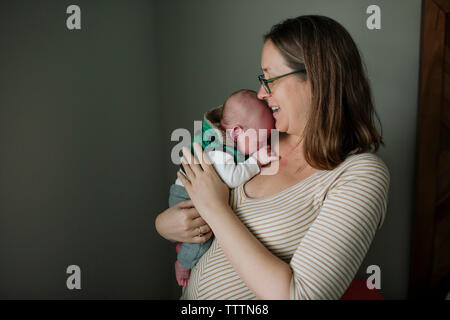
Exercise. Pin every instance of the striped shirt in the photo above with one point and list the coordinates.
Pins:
(322, 227)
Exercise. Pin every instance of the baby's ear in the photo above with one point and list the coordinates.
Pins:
(235, 132)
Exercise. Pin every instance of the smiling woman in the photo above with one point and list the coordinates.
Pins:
(334, 84)
(303, 232)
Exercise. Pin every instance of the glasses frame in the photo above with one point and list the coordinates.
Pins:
(265, 82)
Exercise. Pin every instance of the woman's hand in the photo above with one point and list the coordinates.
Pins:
(182, 223)
(204, 186)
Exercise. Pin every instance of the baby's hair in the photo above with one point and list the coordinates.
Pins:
(228, 116)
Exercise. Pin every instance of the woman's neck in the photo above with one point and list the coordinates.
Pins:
(292, 153)
(291, 143)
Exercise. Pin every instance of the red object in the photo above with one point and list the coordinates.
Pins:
(177, 248)
(358, 291)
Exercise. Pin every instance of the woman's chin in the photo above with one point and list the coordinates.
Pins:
(280, 127)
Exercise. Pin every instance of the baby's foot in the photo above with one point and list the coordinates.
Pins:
(182, 274)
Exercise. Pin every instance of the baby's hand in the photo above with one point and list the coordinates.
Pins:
(264, 156)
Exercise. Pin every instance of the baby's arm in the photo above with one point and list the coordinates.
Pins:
(233, 174)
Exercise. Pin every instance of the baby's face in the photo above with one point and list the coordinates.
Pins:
(257, 133)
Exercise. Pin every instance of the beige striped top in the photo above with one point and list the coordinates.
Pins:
(322, 226)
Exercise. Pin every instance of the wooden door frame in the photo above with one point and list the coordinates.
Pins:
(433, 36)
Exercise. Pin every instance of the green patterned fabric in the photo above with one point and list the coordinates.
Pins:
(213, 136)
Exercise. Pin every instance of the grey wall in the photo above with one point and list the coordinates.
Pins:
(79, 134)
(86, 118)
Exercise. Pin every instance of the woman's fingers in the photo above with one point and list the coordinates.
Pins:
(197, 232)
(198, 226)
(186, 204)
(198, 222)
(195, 227)
(203, 229)
(203, 157)
(187, 155)
(191, 213)
(191, 161)
(202, 238)
(191, 165)
(194, 223)
(186, 183)
(187, 168)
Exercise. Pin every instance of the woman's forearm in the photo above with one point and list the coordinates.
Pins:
(161, 227)
(264, 273)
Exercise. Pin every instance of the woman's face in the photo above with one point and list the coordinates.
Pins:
(290, 94)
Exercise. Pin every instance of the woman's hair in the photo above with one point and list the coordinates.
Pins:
(341, 117)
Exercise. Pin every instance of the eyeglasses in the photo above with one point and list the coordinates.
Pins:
(265, 82)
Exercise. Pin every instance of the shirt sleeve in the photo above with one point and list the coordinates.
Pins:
(233, 174)
(335, 245)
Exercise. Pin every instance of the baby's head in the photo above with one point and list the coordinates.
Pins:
(247, 120)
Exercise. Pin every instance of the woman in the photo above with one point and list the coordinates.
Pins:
(303, 232)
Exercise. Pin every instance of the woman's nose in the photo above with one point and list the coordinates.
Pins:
(262, 93)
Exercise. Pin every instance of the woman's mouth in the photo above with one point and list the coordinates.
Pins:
(275, 110)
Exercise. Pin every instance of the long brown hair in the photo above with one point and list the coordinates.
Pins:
(341, 118)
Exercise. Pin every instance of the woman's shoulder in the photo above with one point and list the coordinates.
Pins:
(361, 176)
(366, 161)
(363, 168)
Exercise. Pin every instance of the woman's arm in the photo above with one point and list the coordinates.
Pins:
(265, 274)
(336, 243)
(181, 223)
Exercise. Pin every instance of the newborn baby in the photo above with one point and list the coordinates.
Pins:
(237, 150)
